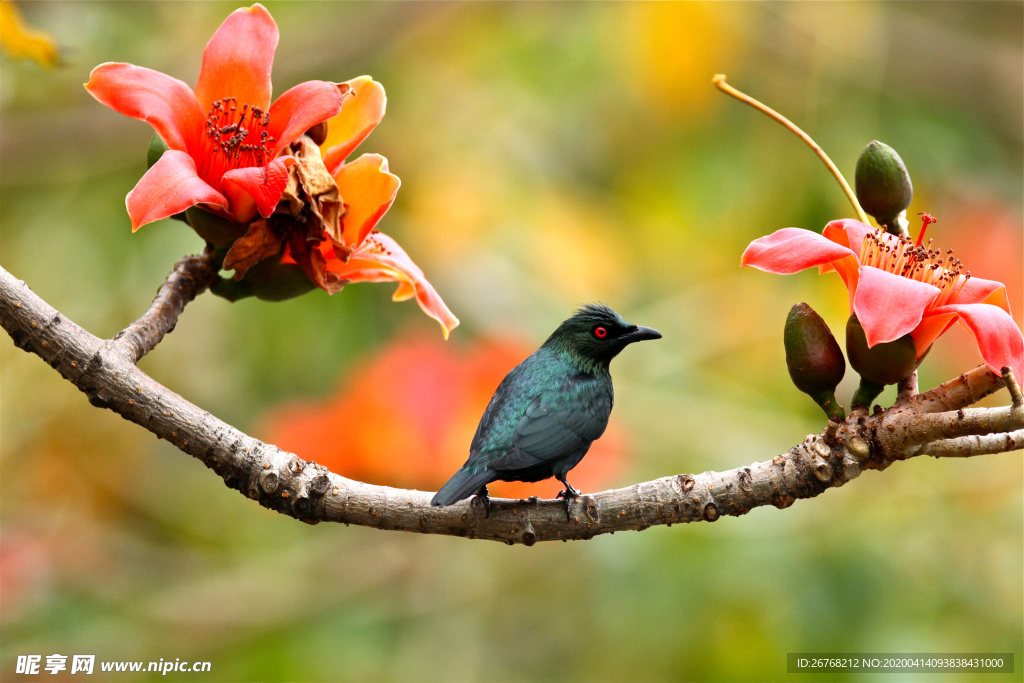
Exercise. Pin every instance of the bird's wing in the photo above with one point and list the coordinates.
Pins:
(557, 424)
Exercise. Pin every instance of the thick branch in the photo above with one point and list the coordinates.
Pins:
(309, 492)
(189, 278)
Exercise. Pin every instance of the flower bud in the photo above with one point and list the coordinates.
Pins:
(214, 229)
(318, 133)
(271, 280)
(883, 184)
(882, 364)
(815, 360)
(157, 147)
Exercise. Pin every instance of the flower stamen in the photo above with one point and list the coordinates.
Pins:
(236, 138)
(900, 256)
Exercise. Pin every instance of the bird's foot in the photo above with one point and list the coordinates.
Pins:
(484, 498)
(570, 494)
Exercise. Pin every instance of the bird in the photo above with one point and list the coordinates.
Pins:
(549, 409)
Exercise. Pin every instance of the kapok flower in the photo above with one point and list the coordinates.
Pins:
(326, 221)
(899, 287)
(225, 138)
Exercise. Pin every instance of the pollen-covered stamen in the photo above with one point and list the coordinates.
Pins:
(900, 256)
(236, 137)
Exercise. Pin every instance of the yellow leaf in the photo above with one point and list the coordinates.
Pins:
(24, 42)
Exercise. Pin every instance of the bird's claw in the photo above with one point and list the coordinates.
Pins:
(570, 494)
(484, 497)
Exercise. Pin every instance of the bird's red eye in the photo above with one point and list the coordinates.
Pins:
(600, 332)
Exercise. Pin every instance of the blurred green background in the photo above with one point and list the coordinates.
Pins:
(551, 154)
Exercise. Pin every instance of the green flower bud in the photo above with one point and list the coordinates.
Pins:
(882, 364)
(215, 229)
(157, 147)
(883, 184)
(271, 280)
(815, 361)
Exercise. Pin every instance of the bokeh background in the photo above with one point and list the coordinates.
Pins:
(551, 154)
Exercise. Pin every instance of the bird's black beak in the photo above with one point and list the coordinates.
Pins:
(640, 334)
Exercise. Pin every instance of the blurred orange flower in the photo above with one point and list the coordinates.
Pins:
(406, 417)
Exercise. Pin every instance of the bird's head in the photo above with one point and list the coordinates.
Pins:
(594, 335)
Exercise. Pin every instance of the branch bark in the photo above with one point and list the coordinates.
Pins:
(105, 371)
(189, 278)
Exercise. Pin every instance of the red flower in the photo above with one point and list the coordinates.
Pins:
(897, 287)
(225, 137)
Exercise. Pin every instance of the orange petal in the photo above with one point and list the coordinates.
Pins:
(380, 259)
(368, 189)
(361, 111)
(163, 102)
(238, 59)
(169, 187)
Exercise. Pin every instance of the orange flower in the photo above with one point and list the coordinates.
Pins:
(407, 416)
(327, 220)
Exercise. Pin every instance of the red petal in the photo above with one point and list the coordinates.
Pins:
(163, 102)
(368, 189)
(301, 108)
(169, 187)
(238, 58)
(999, 339)
(380, 259)
(889, 306)
(360, 113)
(265, 184)
(790, 250)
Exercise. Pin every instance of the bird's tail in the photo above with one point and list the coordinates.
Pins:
(463, 484)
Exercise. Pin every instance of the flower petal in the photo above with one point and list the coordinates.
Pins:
(265, 184)
(163, 102)
(850, 234)
(169, 187)
(368, 189)
(999, 339)
(360, 113)
(977, 291)
(380, 259)
(301, 108)
(889, 306)
(790, 250)
(238, 59)
(931, 327)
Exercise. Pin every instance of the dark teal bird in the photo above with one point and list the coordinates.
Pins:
(548, 409)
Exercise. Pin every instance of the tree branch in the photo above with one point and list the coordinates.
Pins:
(965, 390)
(969, 446)
(189, 278)
(105, 371)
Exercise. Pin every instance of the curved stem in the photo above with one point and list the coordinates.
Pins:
(719, 81)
